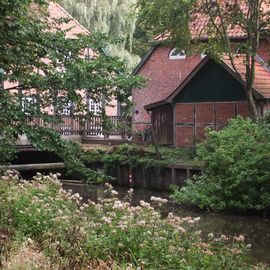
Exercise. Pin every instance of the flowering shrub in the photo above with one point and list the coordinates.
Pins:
(79, 235)
(236, 169)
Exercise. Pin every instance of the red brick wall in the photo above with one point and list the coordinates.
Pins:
(164, 76)
(266, 108)
(184, 113)
(224, 112)
(191, 119)
(184, 136)
(204, 113)
(242, 109)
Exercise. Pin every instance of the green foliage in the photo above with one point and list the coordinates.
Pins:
(178, 155)
(142, 38)
(116, 18)
(129, 155)
(37, 55)
(175, 19)
(266, 121)
(134, 155)
(236, 169)
(73, 235)
(171, 16)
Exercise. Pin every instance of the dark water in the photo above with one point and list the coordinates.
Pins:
(256, 229)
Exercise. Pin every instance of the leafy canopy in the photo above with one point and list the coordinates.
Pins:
(35, 54)
(236, 169)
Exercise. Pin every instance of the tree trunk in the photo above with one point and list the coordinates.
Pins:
(250, 75)
(251, 105)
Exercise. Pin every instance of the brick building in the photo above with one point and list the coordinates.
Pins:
(185, 94)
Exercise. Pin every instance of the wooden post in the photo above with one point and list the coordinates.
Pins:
(119, 175)
(71, 125)
(158, 177)
(173, 172)
(188, 173)
(145, 180)
(154, 138)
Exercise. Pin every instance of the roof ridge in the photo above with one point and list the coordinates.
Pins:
(69, 15)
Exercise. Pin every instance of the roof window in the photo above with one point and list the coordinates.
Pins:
(176, 54)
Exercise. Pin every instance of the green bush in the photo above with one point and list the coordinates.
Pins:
(76, 235)
(236, 172)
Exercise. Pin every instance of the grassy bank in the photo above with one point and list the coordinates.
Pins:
(43, 220)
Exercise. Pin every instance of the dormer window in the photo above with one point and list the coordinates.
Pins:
(176, 54)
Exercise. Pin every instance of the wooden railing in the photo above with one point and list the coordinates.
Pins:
(90, 126)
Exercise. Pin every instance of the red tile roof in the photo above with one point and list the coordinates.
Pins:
(262, 74)
(56, 12)
(73, 26)
(199, 21)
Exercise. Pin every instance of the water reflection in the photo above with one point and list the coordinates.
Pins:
(256, 229)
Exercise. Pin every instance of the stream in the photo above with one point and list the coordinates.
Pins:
(256, 229)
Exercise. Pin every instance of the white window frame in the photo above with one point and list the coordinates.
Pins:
(65, 109)
(28, 101)
(94, 107)
(180, 55)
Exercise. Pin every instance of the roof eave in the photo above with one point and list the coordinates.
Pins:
(73, 19)
(188, 79)
(151, 106)
(144, 59)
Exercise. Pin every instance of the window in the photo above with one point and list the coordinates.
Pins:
(28, 103)
(94, 107)
(64, 106)
(176, 54)
(66, 110)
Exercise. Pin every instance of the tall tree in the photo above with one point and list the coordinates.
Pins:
(35, 54)
(209, 25)
(115, 18)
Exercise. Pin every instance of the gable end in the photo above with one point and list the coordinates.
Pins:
(212, 83)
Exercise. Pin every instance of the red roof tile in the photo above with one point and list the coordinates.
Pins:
(262, 74)
(73, 26)
(199, 21)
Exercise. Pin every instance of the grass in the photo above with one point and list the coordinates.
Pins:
(27, 257)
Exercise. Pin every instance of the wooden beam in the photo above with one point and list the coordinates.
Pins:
(34, 167)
